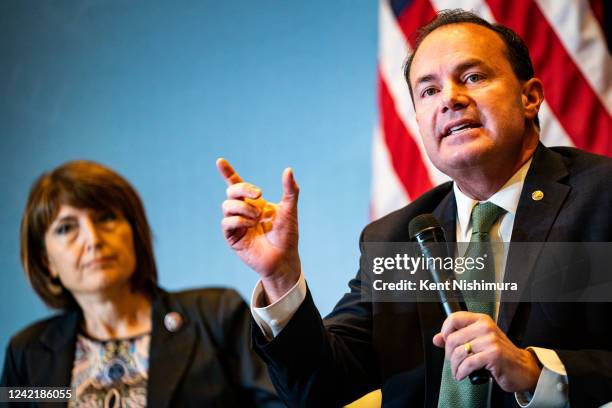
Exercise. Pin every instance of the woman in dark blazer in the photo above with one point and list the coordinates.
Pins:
(121, 340)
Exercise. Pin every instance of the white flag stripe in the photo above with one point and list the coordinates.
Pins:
(582, 37)
(387, 189)
(551, 131)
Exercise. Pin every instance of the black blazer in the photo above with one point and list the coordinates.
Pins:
(362, 346)
(206, 363)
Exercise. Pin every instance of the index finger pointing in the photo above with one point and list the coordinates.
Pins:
(228, 173)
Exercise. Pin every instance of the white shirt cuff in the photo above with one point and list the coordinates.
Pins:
(273, 318)
(552, 388)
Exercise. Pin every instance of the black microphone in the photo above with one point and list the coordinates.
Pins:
(426, 231)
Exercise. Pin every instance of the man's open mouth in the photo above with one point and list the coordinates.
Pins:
(450, 130)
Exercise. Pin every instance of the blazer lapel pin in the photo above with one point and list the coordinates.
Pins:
(173, 322)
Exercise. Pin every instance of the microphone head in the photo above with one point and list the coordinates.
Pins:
(421, 223)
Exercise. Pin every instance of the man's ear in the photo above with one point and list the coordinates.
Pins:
(533, 96)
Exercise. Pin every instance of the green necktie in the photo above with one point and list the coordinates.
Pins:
(464, 394)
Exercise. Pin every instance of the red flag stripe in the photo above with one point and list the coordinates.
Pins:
(569, 95)
(405, 155)
(414, 16)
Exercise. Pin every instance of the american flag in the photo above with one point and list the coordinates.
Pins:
(568, 47)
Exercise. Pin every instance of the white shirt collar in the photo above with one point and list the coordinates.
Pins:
(506, 197)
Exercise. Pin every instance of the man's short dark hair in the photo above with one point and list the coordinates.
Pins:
(516, 49)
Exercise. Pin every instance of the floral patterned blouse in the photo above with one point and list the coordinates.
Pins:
(110, 373)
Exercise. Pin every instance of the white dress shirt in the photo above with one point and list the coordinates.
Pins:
(551, 390)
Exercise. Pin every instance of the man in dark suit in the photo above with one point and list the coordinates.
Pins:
(476, 101)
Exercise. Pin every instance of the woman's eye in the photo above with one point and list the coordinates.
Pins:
(64, 229)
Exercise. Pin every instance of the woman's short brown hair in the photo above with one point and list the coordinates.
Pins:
(81, 184)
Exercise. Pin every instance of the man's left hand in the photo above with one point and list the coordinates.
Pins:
(514, 369)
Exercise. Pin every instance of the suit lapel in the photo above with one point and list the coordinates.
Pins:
(54, 360)
(533, 222)
(446, 214)
(170, 351)
(430, 313)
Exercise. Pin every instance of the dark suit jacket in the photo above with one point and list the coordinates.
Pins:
(361, 346)
(206, 363)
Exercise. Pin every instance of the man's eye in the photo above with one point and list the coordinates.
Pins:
(473, 78)
(428, 92)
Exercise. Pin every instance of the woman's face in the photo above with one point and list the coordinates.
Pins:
(92, 252)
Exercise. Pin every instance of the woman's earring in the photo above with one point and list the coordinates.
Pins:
(55, 285)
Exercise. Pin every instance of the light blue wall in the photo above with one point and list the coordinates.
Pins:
(158, 90)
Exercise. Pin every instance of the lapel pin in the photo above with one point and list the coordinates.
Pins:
(173, 321)
(537, 195)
